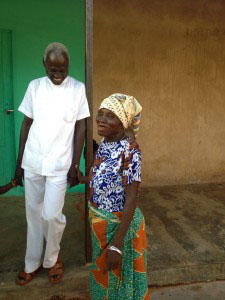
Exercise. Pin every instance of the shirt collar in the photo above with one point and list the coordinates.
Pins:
(57, 86)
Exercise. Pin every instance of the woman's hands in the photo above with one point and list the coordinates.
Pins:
(113, 260)
(80, 176)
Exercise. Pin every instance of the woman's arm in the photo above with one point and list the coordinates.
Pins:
(81, 177)
(5, 188)
(114, 259)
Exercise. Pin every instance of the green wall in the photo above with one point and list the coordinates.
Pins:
(34, 24)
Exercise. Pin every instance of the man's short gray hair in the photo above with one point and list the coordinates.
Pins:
(57, 49)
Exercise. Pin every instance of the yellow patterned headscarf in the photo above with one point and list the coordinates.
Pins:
(126, 108)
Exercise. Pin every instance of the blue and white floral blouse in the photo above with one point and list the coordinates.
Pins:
(116, 164)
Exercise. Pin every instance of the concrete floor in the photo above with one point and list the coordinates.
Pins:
(197, 291)
(186, 233)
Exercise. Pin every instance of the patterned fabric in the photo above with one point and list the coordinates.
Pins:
(116, 165)
(135, 125)
(126, 108)
(129, 282)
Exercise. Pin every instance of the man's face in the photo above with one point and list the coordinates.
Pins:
(56, 67)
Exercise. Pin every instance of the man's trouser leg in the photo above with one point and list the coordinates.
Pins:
(44, 203)
(53, 220)
(34, 195)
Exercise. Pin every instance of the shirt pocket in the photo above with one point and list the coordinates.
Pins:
(70, 115)
(39, 109)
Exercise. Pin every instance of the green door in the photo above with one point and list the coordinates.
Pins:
(7, 134)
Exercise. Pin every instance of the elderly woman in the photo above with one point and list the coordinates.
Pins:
(118, 269)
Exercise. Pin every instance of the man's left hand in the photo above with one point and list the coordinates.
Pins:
(72, 177)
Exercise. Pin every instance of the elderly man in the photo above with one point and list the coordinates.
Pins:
(51, 142)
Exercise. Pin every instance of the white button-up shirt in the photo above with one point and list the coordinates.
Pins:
(54, 110)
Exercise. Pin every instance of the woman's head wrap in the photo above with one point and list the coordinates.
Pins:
(126, 108)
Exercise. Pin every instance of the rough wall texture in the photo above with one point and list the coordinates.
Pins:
(170, 55)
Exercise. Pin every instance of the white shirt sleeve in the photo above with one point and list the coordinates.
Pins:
(83, 110)
(26, 107)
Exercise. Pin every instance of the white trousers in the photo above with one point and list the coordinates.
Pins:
(44, 197)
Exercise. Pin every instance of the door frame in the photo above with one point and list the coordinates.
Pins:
(89, 121)
(7, 108)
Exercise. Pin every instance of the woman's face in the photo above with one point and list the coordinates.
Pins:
(109, 125)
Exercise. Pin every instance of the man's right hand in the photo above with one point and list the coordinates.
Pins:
(27, 122)
(19, 174)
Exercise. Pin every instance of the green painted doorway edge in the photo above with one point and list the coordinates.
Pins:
(7, 128)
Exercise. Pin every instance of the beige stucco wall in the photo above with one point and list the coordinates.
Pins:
(170, 55)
